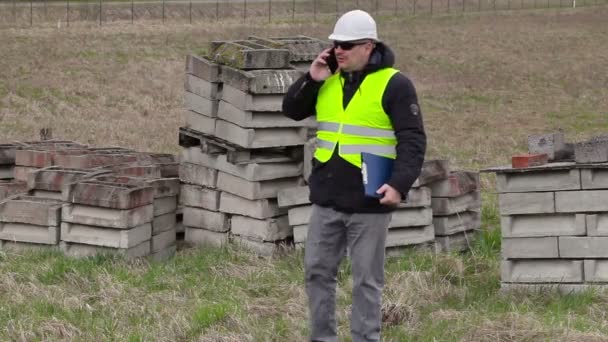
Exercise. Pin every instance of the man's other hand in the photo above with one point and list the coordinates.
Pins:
(391, 195)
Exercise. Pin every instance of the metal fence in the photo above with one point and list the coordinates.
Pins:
(23, 13)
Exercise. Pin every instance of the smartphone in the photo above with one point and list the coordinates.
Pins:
(332, 62)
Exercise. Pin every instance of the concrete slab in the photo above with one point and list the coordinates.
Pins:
(11, 188)
(295, 196)
(35, 157)
(31, 210)
(107, 217)
(594, 178)
(7, 153)
(242, 55)
(543, 225)
(453, 205)
(557, 180)
(261, 248)
(198, 175)
(581, 201)
(163, 187)
(456, 243)
(103, 236)
(21, 173)
(94, 159)
(45, 194)
(79, 250)
(23, 232)
(583, 247)
(593, 151)
(457, 184)
(205, 219)
(16, 246)
(432, 170)
(200, 197)
(451, 224)
(108, 195)
(530, 248)
(260, 137)
(163, 223)
(265, 81)
(257, 119)
(596, 270)
(300, 233)
(165, 205)
(260, 209)
(254, 190)
(563, 289)
(164, 254)
(252, 102)
(202, 88)
(162, 241)
(301, 48)
(6, 171)
(417, 197)
(198, 104)
(410, 236)
(552, 144)
(203, 68)
(250, 171)
(54, 178)
(542, 271)
(526, 203)
(411, 217)
(299, 215)
(198, 122)
(204, 237)
(273, 229)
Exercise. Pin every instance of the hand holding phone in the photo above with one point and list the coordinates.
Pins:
(324, 65)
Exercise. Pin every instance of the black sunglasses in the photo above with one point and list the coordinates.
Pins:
(347, 45)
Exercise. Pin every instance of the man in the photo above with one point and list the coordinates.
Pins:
(366, 106)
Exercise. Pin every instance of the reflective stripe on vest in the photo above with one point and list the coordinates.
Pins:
(362, 126)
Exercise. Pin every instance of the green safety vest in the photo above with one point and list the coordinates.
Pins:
(362, 127)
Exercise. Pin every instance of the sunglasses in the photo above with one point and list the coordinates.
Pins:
(347, 45)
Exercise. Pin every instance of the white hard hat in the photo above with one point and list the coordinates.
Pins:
(355, 25)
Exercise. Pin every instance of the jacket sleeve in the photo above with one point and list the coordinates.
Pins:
(301, 98)
(401, 104)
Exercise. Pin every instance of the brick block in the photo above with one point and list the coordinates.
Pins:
(205, 219)
(530, 248)
(546, 180)
(103, 236)
(165, 205)
(203, 68)
(529, 160)
(299, 215)
(457, 184)
(291, 197)
(163, 254)
(300, 233)
(301, 48)
(260, 137)
(581, 201)
(163, 187)
(252, 102)
(259, 119)
(273, 229)
(162, 241)
(10, 188)
(199, 122)
(552, 144)
(254, 190)
(249, 171)
(432, 171)
(108, 195)
(260, 209)
(594, 178)
(16, 246)
(198, 104)
(543, 225)
(204, 237)
(56, 195)
(261, 248)
(201, 87)
(458, 242)
(6, 172)
(93, 160)
(542, 271)
(141, 171)
(24, 232)
(268, 81)
(198, 175)
(451, 224)
(54, 178)
(593, 151)
(21, 173)
(411, 217)
(410, 236)
(79, 250)
(243, 55)
(200, 197)
(33, 157)
(583, 247)
(7, 154)
(31, 210)
(526, 203)
(453, 205)
(163, 223)
(417, 197)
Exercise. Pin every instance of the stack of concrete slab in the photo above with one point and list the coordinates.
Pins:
(40, 154)
(48, 182)
(456, 206)
(554, 221)
(107, 217)
(7, 161)
(27, 221)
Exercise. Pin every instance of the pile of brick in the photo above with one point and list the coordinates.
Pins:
(239, 149)
(554, 218)
(91, 200)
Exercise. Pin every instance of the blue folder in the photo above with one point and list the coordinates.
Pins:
(376, 171)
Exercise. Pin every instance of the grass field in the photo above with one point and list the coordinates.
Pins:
(485, 82)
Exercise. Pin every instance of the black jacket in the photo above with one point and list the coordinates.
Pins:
(337, 183)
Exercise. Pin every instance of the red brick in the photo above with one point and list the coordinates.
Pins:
(528, 160)
(108, 195)
(10, 188)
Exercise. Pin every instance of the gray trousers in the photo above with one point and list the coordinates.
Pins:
(330, 232)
